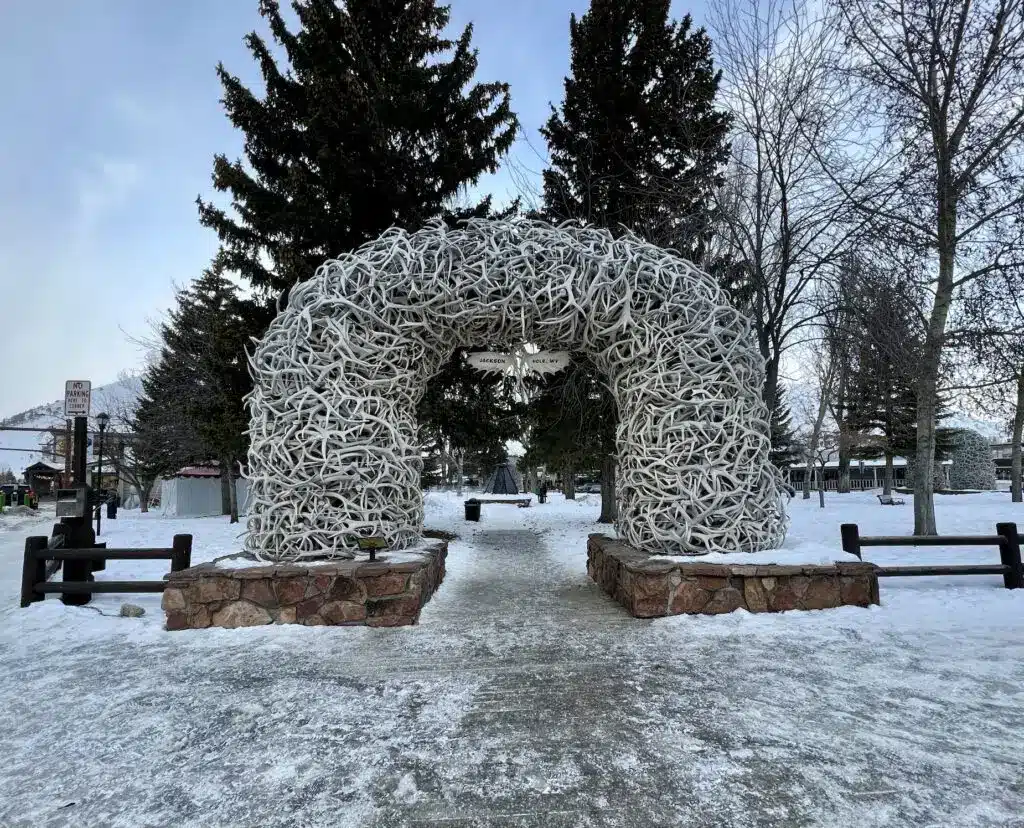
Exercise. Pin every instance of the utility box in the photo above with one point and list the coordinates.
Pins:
(72, 503)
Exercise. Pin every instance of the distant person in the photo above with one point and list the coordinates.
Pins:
(542, 492)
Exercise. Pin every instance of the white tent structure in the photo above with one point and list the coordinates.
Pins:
(195, 492)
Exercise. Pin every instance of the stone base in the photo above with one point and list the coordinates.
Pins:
(343, 593)
(650, 588)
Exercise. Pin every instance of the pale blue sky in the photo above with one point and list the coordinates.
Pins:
(109, 121)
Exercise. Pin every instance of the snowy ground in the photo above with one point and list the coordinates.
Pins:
(525, 697)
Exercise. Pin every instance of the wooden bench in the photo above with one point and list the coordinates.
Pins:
(522, 503)
(889, 500)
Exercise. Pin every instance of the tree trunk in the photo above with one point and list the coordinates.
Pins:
(843, 483)
(233, 491)
(458, 469)
(609, 509)
(225, 488)
(1015, 453)
(931, 360)
(887, 476)
(821, 487)
(144, 493)
(771, 383)
(569, 482)
(807, 476)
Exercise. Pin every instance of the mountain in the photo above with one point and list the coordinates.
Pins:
(20, 449)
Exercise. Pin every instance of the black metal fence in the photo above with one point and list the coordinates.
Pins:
(1005, 538)
(78, 585)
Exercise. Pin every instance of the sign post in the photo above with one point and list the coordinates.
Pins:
(75, 525)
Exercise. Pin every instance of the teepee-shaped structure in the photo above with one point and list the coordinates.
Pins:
(502, 480)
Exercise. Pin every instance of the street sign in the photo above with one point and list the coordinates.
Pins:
(487, 361)
(76, 398)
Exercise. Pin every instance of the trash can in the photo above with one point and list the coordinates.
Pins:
(473, 509)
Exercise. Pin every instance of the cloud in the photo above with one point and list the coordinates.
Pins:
(105, 186)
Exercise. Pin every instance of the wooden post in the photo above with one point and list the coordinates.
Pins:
(33, 570)
(181, 552)
(1009, 554)
(851, 539)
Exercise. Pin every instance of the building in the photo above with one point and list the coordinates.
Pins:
(195, 491)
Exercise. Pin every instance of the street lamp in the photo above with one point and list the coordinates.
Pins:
(102, 420)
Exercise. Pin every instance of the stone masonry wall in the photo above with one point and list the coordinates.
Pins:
(345, 593)
(650, 588)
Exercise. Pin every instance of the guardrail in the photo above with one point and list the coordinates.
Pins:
(1006, 539)
(78, 585)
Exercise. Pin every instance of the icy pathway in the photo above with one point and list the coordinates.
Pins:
(524, 698)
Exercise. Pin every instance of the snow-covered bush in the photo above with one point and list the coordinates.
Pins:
(973, 466)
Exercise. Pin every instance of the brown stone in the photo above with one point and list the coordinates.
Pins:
(199, 618)
(822, 593)
(346, 589)
(290, 590)
(240, 614)
(176, 621)
(725, 600)
(259, 592)
(173, 600)
(318, 585)
(649, 594)
(799, 584)
(307, 608)
(710, 570)
(251, 573)
(783, 570)
(209, 590)
(404, 566)
(855, 591)
(393, 584)
(768, 584)
(755, 595)
(408, 607)
(689, 598)
(313, 620)
(782, 598)
(711, 584)
(391, 621)
(338, 612)
(286, 615)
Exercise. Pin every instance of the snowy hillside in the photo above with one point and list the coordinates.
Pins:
(19, 449)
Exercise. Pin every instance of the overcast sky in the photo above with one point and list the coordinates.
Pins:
(110, 118)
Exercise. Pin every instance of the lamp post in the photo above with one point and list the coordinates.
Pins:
(101, 420)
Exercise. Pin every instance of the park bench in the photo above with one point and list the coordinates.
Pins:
(522, 503)
(889, 500)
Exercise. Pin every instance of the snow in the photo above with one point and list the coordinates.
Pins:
(525, 696)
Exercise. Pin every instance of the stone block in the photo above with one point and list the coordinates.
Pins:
(198, 617)
(724, 600)
(755, 595)
(688, 598)
(338, 612)
(822, 592)
(402, 607)
(799, 584)
(173, 600)
(318, 584)
(346, 589)
(176, 620)
(290, 590)
(711, 583)
(210, 590)
(240, 614)
(392, 584)
(782, 598)
(260, 592)
(307, 609)
(855, 591)
(286, 615)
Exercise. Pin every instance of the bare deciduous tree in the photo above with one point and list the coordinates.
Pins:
(940, 168)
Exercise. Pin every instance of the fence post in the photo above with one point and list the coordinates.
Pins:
(33, 570)
(181, 552)
(851, 539)
(1009, 554)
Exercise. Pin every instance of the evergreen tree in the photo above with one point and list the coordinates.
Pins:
(637, 145)
(192, 408)
(373, 122)
(785, 450)
(638, 142)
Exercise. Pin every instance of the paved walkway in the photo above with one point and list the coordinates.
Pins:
(525, 698)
